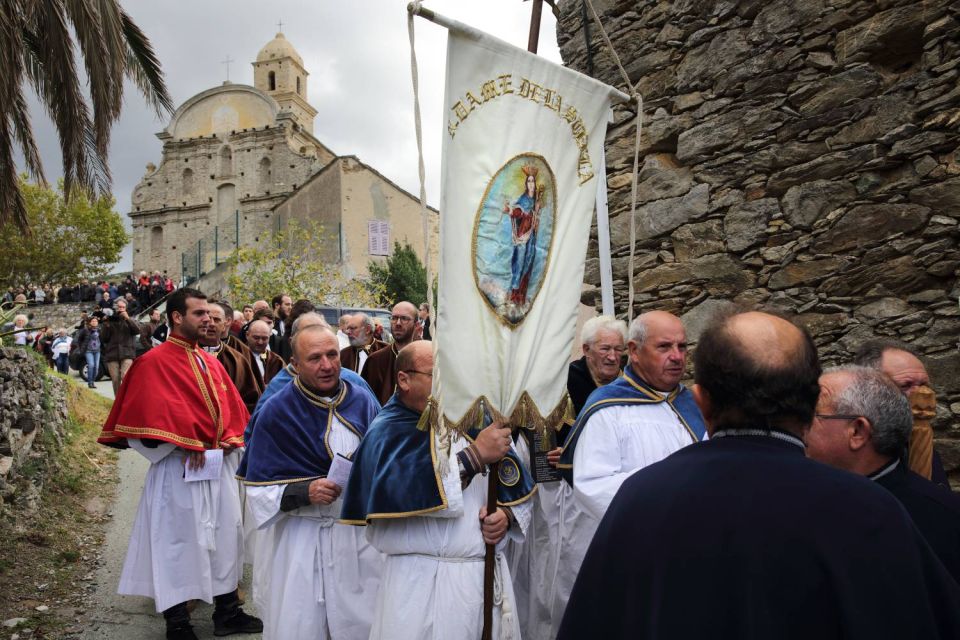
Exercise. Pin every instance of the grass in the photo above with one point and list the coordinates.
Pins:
(47, 554)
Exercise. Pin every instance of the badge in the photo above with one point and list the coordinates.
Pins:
(509, 472)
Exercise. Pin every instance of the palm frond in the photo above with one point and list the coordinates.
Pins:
(143, 68)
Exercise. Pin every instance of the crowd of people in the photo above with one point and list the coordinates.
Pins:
(770, 499)
(140, 291)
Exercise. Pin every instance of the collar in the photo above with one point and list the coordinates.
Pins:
(214, 350)
(180, 341)
(640, 385)
(314, 397)
(886, 469)
(783, 436)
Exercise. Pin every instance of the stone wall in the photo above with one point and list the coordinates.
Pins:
(796, 154)
(33, 412)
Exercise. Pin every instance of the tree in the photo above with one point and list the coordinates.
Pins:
(71, 237)
(37, 48)
(294, 262)
(401, 277)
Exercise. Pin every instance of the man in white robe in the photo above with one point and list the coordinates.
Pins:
(640, 418)
(177, 406)
(545, 565)
(424, 501)
(313, 578)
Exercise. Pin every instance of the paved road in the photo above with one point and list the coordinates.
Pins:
(114, 617)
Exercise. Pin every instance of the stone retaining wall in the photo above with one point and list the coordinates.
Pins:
(33, 411)
(797, 154)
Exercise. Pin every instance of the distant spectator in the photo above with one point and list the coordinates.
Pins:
(425, 320)
(147, 330)
(22, 335)
(119, 336)
(88, 343)
(133, 307)
(105, 301)
(60, 349)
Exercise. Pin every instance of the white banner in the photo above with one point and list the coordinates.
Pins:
(522, 142)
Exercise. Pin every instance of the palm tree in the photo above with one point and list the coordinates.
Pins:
(38, 45)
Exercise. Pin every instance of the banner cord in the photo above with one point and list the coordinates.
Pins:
(411, 12)
(636, 156)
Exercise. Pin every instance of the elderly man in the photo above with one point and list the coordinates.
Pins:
(119, 335)
(266, 363)
(902, 364)
(363, 343)
(177, 407)
(380, 370)
(317, 578)
(863, 425)
(780, 546)
(342, 338)
(639, 419)
(258, 307)
(545, 566)
(238, 367)
(147, 330)
(426, 508)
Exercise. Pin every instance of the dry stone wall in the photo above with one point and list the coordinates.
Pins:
(800, 154)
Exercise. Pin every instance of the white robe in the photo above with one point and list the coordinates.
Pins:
(545, 564)
(432, 586)
(617, 442)
(313, 578)
(187, 538)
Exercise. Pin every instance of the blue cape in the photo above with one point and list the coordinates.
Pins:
(293, 430)
(625, 390)
(394, 476)
(285, 377)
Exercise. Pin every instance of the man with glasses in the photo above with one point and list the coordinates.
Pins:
(424, 498)
(863, 425)
(742, 537)
(380, 370)
(544, 567)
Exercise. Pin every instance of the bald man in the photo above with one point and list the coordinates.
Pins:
(238, 366)
(380, 371)
(640, 418)
(314, 577)
(742, 537)
(266, 364)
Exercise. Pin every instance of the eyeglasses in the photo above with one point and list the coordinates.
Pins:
(401, 318)
(423, 373)
(836, 416)
(607, 350)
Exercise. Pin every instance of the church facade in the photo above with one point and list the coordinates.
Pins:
(235, 161)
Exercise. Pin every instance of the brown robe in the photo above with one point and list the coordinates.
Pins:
(238, 344)
(380, 372)
(350, 358)
(240, 370)
(272, 365)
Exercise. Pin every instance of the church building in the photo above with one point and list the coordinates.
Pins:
(240, 161)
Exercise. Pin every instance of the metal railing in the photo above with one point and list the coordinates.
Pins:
(210, 250)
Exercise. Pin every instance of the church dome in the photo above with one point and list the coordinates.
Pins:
(279, 47)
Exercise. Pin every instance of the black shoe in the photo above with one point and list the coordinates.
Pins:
(239, 622)
(91, 385)
(181, 632)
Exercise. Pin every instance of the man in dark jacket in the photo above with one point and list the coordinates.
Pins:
(863, 425)
(743, 537)
(119, 335)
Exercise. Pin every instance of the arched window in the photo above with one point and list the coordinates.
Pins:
(187, 181)
(226, 161)
(264, 173)
(156, 240)
(272, 81)
(298, 84)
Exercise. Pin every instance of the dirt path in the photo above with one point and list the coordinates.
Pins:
(114, 617)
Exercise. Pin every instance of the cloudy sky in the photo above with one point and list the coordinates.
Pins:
(358, 57)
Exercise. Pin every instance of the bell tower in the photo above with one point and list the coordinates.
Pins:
(278, 72)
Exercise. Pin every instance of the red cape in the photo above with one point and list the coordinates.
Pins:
(167, 396)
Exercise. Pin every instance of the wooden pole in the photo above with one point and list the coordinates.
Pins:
(493, 483)
(490, 555)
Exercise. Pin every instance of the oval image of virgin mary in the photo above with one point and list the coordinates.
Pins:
(512, 236)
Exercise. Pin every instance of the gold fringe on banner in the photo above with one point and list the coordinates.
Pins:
(525, 415)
